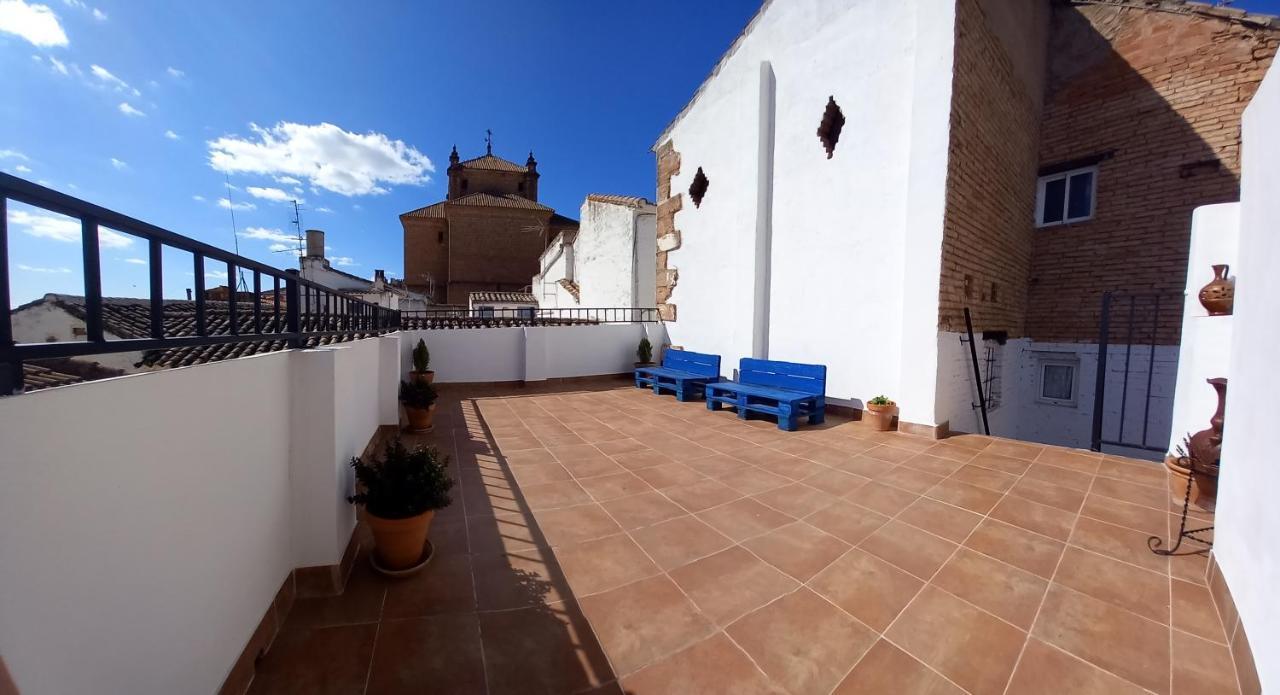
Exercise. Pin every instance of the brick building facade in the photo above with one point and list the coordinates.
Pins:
(1153, 93)
(486, 235)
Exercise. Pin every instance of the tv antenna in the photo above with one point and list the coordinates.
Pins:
(235, 236)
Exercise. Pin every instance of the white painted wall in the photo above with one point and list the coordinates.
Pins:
(1248, 519)
(147, 521)
(534, 353)
(1022, 415)
(1206, 340)
(843, 290)
(612, 259)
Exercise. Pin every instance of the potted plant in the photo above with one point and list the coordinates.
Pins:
(400, 494)
(880, 412)
(644, 353)
(422, 363)
(419, 400)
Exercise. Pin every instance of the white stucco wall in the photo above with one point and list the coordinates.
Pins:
(1248, 519)
(534, 353)
(147, 521)
(612, 259)
(843, 291)
(1022, 415)
(1205, 351)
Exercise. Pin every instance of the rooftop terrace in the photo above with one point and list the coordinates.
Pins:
(604, 540)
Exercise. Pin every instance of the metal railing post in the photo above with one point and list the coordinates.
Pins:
(1100, 384)
(292, 311)
(92, 280)
(11, 380)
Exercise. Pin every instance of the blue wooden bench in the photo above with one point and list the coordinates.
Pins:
(687, 373)
(788, 390)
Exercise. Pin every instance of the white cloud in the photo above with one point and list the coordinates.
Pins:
(343, 261)
(323, 209)
(326, 155)
(226, 204)
(134, 261)
(120, 165)
(109, 79)
(216, 274)
(198, 198)
(65, 229)
(357, 207)
(38, 269)
(269, 234)
(99, 15)
(61, 67)
(270, 194)
(174, 72)
(128, 110)
(13, 154)
(22, 169)
(287, 180)
(172, 135)
(35, 23)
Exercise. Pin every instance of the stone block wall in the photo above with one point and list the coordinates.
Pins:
(668, 235)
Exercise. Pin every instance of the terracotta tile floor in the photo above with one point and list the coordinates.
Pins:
(603, 539)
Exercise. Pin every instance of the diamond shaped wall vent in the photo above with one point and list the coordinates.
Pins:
(832, 124)
(698, 188)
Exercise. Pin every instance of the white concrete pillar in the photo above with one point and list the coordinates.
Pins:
(320, 525)
(764, 213)
(389, 375)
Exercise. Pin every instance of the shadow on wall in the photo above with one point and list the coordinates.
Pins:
(1139, 93)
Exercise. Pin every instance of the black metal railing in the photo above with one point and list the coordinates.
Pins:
(1134, 327)
(281, 307)
(531, 315)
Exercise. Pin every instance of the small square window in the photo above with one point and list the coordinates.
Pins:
(1058, 375)
(486, 312)
(1066, 196)
(525, 312)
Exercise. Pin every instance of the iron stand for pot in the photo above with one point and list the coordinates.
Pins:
(1184, 533)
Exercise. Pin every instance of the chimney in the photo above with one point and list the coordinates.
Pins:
(188, 294)
(379, 277)
(315, 243)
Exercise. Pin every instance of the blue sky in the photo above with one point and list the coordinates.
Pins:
(352, 107)
(176, 87)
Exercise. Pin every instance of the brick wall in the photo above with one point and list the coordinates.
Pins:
(668, 235)
(1161, 93)
(424, 254)
(991, 182)
(493, 248)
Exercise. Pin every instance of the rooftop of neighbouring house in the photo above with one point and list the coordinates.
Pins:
(603, 539)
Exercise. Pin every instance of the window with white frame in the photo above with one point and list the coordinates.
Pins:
(1066, 196)
(1059, 376)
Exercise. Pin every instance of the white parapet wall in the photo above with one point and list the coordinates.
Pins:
(1246, 541)
(147, 521)
(533, 353)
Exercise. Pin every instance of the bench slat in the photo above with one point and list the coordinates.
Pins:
(807, 378)
(693, 362)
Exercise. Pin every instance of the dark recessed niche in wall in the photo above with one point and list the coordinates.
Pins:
(698, 188)
(832, 124)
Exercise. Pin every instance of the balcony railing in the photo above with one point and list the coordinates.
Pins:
(281, 307)
(525, 316)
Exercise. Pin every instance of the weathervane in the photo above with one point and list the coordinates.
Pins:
(488, 141)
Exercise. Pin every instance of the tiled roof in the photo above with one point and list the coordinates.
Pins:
(131, 318)
(632, 201)
(507, 200)
(508, 297)
(492, 163)
(36, 377)
(572, 288)
(1205, 9)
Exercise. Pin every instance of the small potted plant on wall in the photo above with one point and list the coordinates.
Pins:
(422, 364)
(400, 495)
(880, 412)
(644, 353)
(419, 400)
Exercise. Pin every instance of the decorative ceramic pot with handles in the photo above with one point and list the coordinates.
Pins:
(1219, 296)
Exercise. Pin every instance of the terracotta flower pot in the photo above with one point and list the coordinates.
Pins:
(881, 416)
(398, 543)
(426, 377)
(420, 418)
(1204, 488)
(1219, 296)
